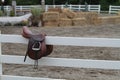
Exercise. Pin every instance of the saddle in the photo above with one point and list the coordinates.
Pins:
(37, 47)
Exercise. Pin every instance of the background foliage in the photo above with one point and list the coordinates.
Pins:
(104, 3)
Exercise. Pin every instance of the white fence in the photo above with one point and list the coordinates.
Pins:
(72, 7)
(64, 62)
(95, 8)
(113, 9)
(20, 9)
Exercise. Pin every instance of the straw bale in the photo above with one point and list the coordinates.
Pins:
(65, 22)
(69, 13)
(80, 14)
(110, 20)
(54, 10)
(104, 20)
(98, 21)
(62, 15)
(117, 19)
(51, 23)
(107, 20)
(48, 16)
(118, 13)
(91, 17)
(79, 21)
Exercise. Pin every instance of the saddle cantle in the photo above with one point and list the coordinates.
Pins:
(37, 47)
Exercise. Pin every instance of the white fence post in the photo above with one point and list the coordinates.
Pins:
(46, 8)
(70, 7)
(110, 9)
(21, 8)
(89, 6)
(54, 6)
(0, 60)
(99, 8)
(62, 6)
(79, 7)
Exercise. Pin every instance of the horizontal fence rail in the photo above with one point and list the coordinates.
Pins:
(68, 41)
(8, 77)
(62, 62)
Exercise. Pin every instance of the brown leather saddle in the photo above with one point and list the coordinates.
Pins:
(37, 47)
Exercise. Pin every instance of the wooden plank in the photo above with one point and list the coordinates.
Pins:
(67, 41)
(64, 62)
(9, 77)
(12, 39)
(0, 59)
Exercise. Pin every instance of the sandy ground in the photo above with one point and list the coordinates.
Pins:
(106, 31)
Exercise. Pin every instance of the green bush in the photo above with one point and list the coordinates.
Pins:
(22, 23)
(36, 11)
(12, 13)
(36, 16)
(1, 13)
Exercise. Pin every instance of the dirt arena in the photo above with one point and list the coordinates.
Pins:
(105, 31)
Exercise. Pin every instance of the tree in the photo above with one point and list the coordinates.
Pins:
(105, 3)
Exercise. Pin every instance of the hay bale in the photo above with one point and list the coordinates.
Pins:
(50, 16)
(118, 13)
(54, 10)
(104, 20)
(65, 22)
(117, 21)
(108, 20)
(97, 22)
(62, 15)
(80, 15)
(91, 17)
(70, 14)
(79, 21)
(53, 23)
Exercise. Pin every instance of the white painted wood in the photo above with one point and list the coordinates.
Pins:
(8, 77)
(0, 59)
(113, 9)
(64, 62)
(27, 7)
(67, 41)
(82, 41)
(96, 8)
(12, 39)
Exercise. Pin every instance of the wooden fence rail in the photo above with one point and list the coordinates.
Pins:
(63, 62)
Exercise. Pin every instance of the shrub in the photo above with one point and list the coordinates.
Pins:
(1, 13)
(36, 16)
(12, 13)
(36, 11)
